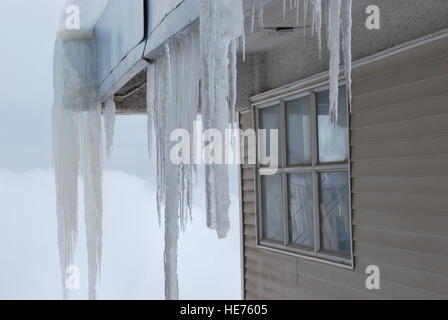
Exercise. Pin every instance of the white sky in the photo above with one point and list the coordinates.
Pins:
(133, 247)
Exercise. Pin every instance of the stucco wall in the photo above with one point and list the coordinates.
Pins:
(291, 57)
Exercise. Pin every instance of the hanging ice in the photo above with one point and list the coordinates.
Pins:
(317, 21)
(77, 139)
(334, 47)
(173, 94)
(109, 124)
(221, 24)
(346, 15)
(258, 9)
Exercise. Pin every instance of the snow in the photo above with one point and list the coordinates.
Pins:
(77, 140)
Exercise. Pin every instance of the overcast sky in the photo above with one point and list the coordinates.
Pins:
(133, 242)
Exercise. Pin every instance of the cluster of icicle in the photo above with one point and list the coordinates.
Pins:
(339, 25)
(175, 84)
(77, 140)
(173, 95)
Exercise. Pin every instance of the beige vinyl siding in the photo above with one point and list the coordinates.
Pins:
(399, 171)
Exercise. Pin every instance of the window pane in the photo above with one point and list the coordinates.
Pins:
(298, 117)
(301, 209)
(333, 146)
(269, 119)
(334, 212)
(271, 197)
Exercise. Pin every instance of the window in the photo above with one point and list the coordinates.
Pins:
(304, 208)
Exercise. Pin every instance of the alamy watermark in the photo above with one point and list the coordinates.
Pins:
(73, 17)
(72, 278)
(373, 21)
(373, 280)
(214, 146)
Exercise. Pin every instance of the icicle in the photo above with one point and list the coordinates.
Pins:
(91, 164)
(317, 22)
(261, 14)
(221, 22)
(243, 46)
(297, 13)
(284, 10)
(77, 140)
(173, 95)
(346, 14)
(334, 47)
(109, 125)
(150, 89)
(66, 153)
(253, 18)
(305, 15)
(233, 79)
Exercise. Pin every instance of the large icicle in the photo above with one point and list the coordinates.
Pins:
(221, 23)
(334, 47)
(109, 125)
(173, 94)
(77, 139)
(346, 15)
(91, 166)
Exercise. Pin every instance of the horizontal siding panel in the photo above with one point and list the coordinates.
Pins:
(248, 185)
(437, 185)
(425, 166)
(400, 149)
(248, 173)
(355, 280)
(250, 242)
(402, 222)
(408, 92)
(249, 196)
(249, 219)
(425, 243)
(286, 261)
(415, 109)
(249, 207)
(268, 290)
(427, 69)
(399, 169)
(402, 204)
(433, 284)
(405, 258)
(413, 129)
(249, 231)
(272, 271)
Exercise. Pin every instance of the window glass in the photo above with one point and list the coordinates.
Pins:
(298, 126)
(269, 120)
(332, 140)
(300, 189)
(334, 212)
(271, 194)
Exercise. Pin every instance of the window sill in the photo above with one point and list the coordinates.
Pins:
(336, 261)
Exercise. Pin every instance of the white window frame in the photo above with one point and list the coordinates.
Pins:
(315, 168)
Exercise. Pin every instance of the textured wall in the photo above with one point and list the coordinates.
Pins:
(290, 57)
